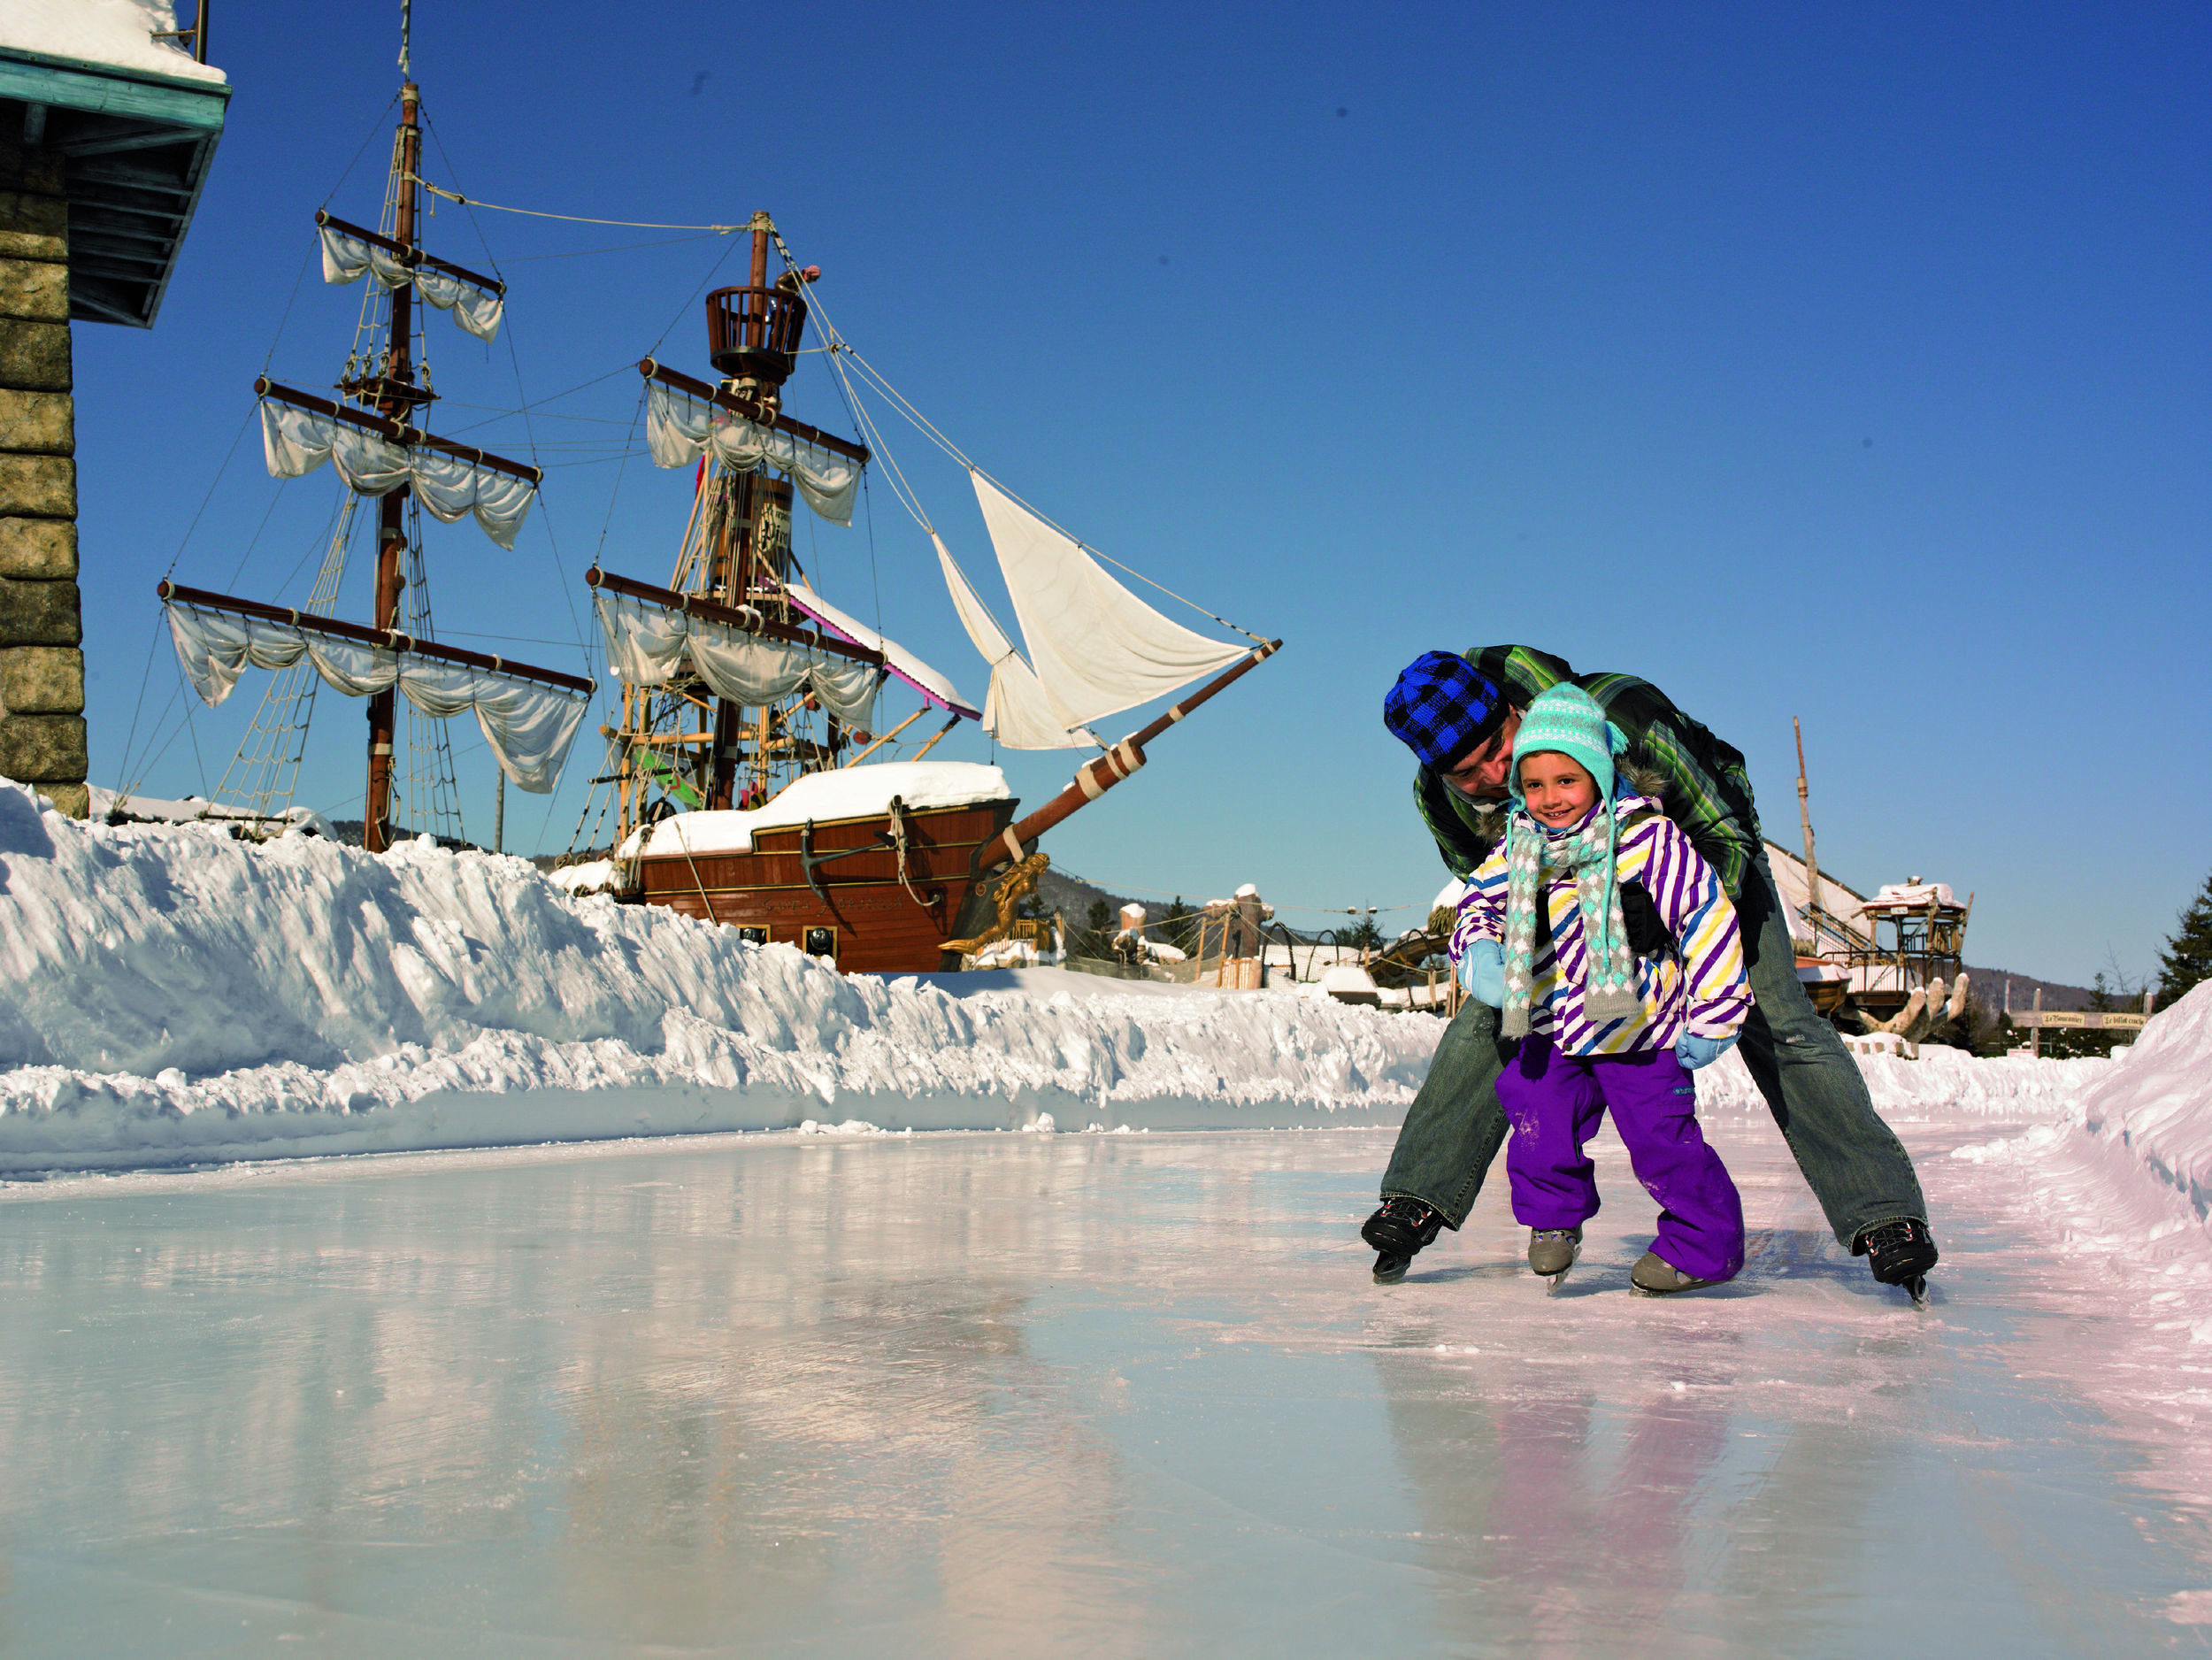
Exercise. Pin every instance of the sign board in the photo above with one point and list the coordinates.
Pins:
(2090, 1018)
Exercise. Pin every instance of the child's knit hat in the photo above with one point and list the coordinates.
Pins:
(1566, 720)
(1441, 707)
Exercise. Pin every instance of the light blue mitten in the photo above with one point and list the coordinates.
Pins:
(1695, 1051)
(1482, 973)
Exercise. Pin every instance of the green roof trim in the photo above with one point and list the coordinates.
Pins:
(68, 83)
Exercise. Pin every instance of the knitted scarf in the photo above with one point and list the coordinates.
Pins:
(1532, 857)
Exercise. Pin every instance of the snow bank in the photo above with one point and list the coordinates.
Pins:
(1943, 1084)
(117, 33)
(2122, 1183)
(2130, 1136)
(169, 994)
(2155, 1100)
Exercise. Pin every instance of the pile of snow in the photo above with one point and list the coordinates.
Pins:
(856, 792)
(2155, 1103)
(2121, 1183)
(594, 876)
(1010, 954)
(1943, 1084)
(173, 995)
(148, 809)
(118, 34)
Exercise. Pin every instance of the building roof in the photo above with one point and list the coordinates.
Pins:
(131, 122)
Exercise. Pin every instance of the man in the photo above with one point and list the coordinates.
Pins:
(1459, 715)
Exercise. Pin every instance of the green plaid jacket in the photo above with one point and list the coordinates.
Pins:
(1707, 792)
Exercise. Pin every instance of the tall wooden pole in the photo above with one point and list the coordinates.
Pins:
(397, 404)
(1812, 861)
(737, 573)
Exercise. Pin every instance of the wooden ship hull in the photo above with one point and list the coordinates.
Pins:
(834, 890)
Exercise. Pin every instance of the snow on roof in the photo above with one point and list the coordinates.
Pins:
(852, 792)
(896, 657)
(1890, 895)
(111, 34)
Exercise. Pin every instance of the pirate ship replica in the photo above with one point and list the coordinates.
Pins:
(746, 779)
(372, 437)
(751, 788)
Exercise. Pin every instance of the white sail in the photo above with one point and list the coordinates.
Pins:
(1097, 647)
(528, 724)
(295, 442)
(346, 256)
(1016, 711)
(680, 428)
(934, 687)
(646, 644)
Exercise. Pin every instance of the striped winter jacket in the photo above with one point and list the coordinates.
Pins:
(1699, 986)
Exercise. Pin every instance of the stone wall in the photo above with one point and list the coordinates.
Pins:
(42, 633)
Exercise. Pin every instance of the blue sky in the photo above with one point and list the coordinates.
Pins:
(1844, 363)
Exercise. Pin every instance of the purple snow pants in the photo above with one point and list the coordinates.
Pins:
(1553, 1102)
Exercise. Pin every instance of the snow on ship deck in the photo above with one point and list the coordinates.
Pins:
(857, 791)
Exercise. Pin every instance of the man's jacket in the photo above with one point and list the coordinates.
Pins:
(1700, 779)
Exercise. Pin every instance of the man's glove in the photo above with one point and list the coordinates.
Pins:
(1695, 1051)
(1482, 973)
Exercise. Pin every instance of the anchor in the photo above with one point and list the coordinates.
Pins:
(810, 861)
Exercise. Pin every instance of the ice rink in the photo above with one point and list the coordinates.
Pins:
(1011, 1393)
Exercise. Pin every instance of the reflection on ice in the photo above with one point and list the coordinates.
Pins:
(1001, 1393)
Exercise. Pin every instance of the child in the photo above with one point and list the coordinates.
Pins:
(1610, 1013)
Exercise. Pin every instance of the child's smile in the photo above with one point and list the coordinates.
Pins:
(1557, 789)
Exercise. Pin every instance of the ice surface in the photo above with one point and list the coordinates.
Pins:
(116, 32)
(1019, 1395)
(849, 792)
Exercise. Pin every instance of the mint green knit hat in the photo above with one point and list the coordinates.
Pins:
(1567, 720)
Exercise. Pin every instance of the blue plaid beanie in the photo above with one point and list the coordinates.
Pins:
(1441, 707)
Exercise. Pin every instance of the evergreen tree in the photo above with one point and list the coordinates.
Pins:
(1179, 927)
(2101, 995)
(2187, 959)
(1098, 932)
(1362, 935)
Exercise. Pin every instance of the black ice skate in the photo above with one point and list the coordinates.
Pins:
(1551, 1251)
(1399, 1230)
(1900, 1253)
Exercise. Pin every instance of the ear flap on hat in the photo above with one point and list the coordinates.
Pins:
(1615, 740)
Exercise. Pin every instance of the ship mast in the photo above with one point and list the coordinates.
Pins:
(395, 399)
(529, 715)
(753, 338)
(736, 557)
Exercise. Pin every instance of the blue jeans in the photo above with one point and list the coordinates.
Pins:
(1854, 1163)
